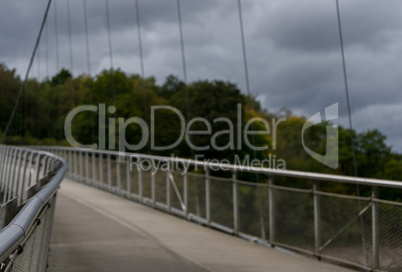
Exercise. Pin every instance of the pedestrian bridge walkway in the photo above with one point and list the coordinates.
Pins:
(96, 231)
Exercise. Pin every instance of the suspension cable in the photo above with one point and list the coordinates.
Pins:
(86, 37)
(247, 79)
(110, 48)
(93, 122)
(350, 125)
(56, 35)
(46, 51)
(346, 87)
(184, 65)
(137, 11)
(48, 125)
(245, 64)
(183, 57)
(39, 123)
(27, 73)
(71, 54)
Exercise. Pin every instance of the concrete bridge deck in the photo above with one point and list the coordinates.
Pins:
(96, 231)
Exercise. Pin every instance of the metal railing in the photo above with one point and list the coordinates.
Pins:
(290, 209)
(29, 180)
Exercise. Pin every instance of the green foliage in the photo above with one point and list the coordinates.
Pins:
(10, 85)
(44, 106)
(61, 77)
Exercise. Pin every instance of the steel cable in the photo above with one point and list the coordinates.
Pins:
(350, 124)
(27, 72)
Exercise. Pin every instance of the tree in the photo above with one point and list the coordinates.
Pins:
(61, 77)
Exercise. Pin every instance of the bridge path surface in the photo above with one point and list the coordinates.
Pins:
(97, 231)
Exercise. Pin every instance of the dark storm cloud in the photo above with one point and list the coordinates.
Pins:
(292, 46)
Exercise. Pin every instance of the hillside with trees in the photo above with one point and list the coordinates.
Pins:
(45, 104)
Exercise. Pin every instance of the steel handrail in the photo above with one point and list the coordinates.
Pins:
(266, 171)
(14, 233)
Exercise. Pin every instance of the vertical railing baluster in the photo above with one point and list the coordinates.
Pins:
(76, 171)
(45, 165)
(153, 187)
(87, 180)
(109, 173)
(128, 177)
(31, 159)
(168, 201)
(71, 162)
(14, 178)
(207, 196)
(271, 210)
(8, 174)
(80, 167)
(185, 193)
(317, 218)
(375, 226)
(37, 170)
(94, 180)
(4, 171)
(140, 191)
(23, 179)
(100, 184)
(2, 153)
(235, 204)
(119, 187)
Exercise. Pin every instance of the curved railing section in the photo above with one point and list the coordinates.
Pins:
(300, 211)
(29, 180)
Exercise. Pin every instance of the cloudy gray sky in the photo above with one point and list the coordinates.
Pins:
(292, 46)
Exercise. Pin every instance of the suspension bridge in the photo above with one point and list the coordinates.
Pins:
(111, 214)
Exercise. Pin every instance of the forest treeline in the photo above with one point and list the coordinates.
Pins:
(45, 104)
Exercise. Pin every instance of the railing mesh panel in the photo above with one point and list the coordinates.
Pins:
(36, 247)
(294, 219)
(333, 226)
(253, 210)
(222, 202)
(390, 236)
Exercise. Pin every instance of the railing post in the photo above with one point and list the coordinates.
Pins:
(2, 153)
(207, 196)
(185, 192)
(317, 216)
(100, 184)
(140, 191)
(70, 162)
(109, 173)
(271, 209)
(23, 178)
(128, 177)
(44, 165)
(16, 174)
(75, 156)
(13, 171)
(38, 169)
(87, 180)
(168, 201)
(94, 177)
(235, 204)
(80, 167)
(375, 225)
(31, 158)
(153, 187)
(119, 187)
(8, 173)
